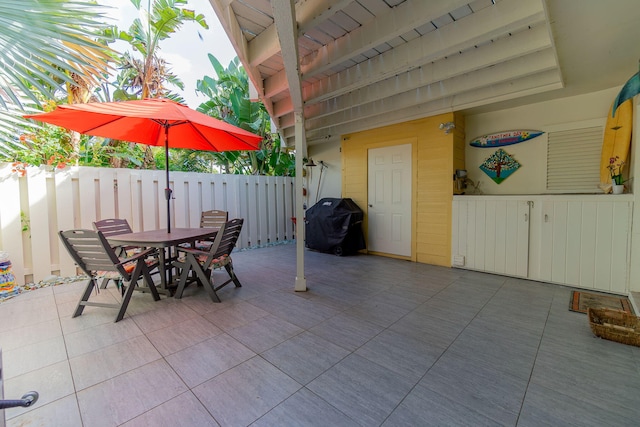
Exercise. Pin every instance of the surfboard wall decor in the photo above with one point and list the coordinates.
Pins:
(500, 139)
(616, 141)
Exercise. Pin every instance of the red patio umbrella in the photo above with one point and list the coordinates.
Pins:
(151, 122)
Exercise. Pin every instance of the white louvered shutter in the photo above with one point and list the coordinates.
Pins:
(573, 160)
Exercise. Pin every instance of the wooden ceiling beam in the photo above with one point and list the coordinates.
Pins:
(285, 20)
(524, 43)
(308, 14)
(512, 71)
(480, 27)
(524, 77)
(396, 22)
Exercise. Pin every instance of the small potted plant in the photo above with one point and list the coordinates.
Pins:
(615, 168)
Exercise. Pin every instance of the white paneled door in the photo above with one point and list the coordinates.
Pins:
(389, 207)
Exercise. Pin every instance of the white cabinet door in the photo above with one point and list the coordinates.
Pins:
(576, 241)
(584, 243)
(492, 235)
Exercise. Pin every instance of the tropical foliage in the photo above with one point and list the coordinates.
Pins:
(73, 65)
(143, 73)
(229, 100)
(44, 46)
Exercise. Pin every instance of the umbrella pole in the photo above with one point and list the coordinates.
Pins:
(167, 190)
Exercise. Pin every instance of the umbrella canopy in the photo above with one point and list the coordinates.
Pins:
(160, 122)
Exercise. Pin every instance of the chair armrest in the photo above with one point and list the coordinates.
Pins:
(140, 255)
(192, 251)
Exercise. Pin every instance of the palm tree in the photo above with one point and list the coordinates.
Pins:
(146, 73)
(44, 44)
(134, 77)
(143, 75)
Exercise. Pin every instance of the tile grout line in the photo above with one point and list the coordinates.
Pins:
(535, 360)
(445, 349)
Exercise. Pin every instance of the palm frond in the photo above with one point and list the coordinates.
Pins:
(12, 126)
(41, 38)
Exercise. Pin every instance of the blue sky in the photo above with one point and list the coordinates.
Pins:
(186, 53)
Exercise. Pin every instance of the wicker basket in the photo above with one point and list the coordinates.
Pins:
(615, 325)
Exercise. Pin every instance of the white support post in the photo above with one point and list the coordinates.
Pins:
(301, 280)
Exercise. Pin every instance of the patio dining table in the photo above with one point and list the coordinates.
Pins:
(165, 241)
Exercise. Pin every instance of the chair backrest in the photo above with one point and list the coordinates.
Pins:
(112, 226)
(91, 251)
(213, 219)
(230, 236)
(230, 233)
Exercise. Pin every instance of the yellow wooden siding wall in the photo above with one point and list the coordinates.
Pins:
(435, 157)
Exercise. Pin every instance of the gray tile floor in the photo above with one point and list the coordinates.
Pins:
(374, 341)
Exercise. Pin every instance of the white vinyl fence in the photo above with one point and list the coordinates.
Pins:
(36, 206)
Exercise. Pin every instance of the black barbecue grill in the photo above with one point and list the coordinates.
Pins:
(334, 226)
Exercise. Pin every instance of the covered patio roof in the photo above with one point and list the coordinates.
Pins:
(352, 65)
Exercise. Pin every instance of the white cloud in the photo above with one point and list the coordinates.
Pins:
(178, 63)
(122, 11)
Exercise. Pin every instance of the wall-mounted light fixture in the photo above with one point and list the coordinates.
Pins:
(446, 127)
